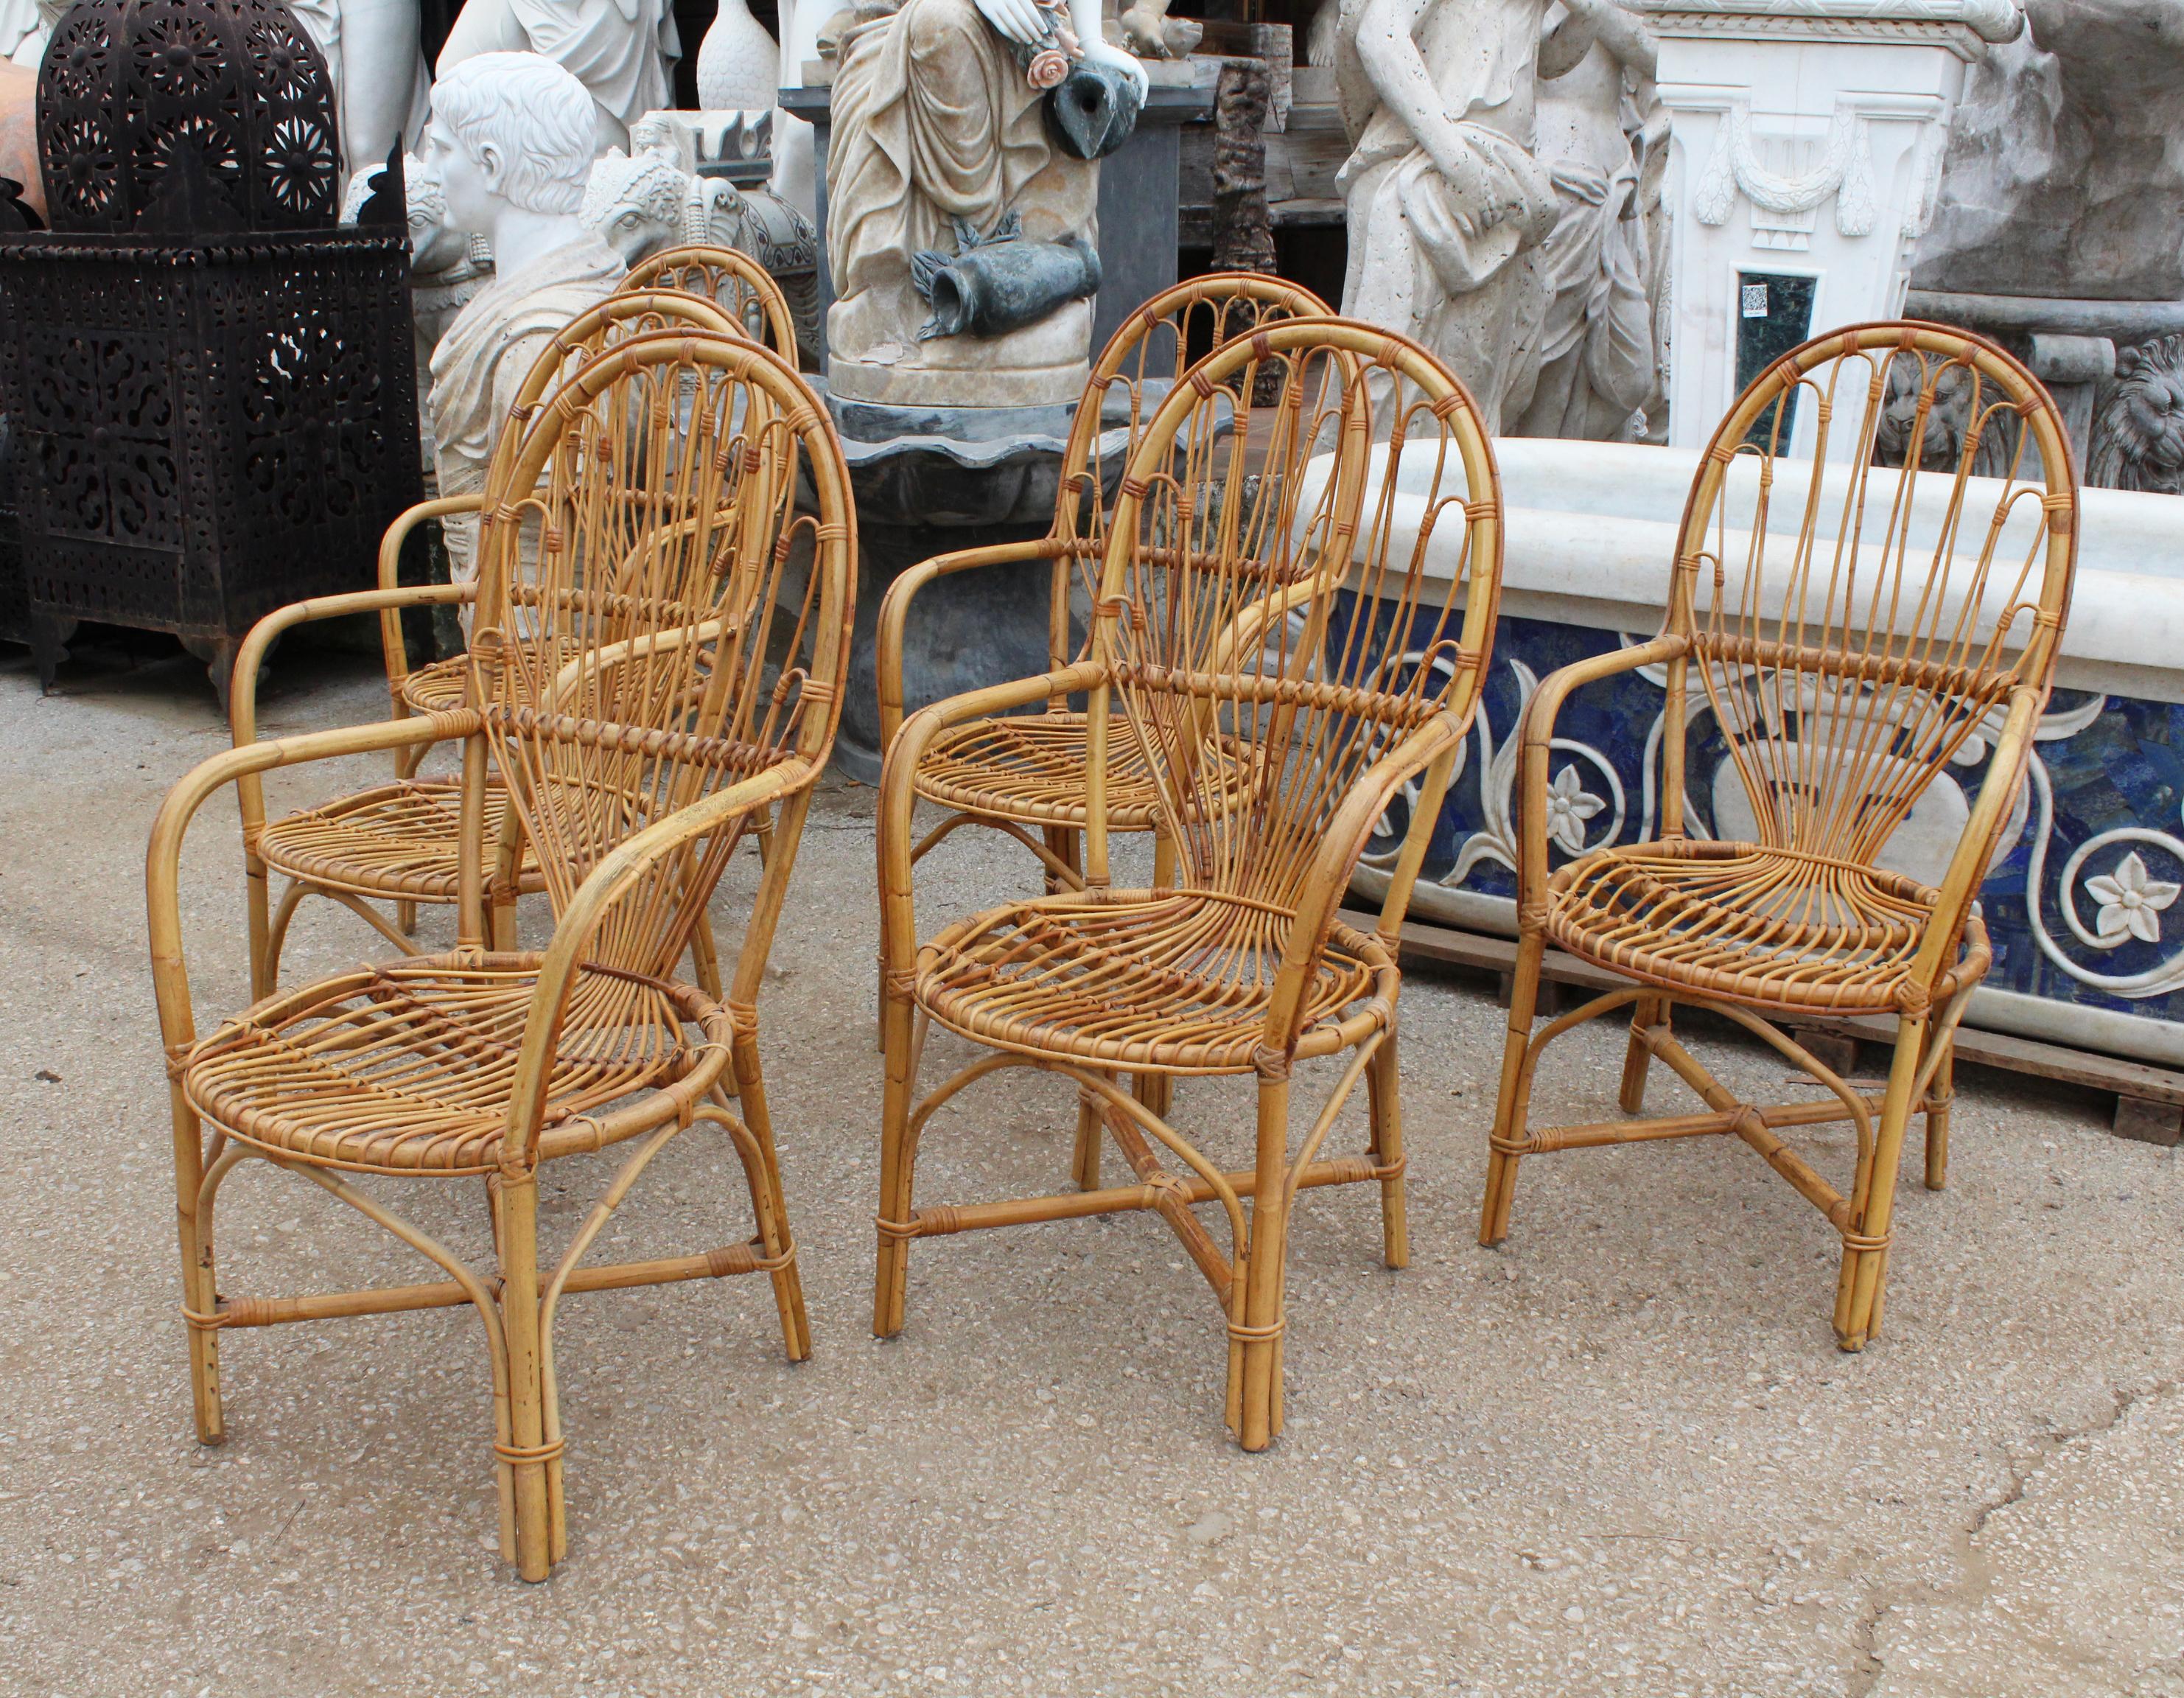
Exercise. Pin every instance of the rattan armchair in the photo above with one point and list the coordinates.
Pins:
(397, 842)
(1851, 630)
(662, 698)
(732, 281)
(1300, 635)
(1019, 773)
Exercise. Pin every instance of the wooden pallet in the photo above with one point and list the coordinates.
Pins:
(2149, 1101)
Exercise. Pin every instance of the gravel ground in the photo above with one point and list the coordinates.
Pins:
(1619, 1455)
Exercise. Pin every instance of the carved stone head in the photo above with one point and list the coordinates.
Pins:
(636, 204)
(510, 130)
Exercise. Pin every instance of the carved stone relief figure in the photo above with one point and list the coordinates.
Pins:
(620, 50)
(962, 232)
(1598, 125)
(511, 148)
(1447, 207)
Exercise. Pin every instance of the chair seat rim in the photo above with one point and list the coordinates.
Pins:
(1876, 984)
(641, 1109)
(438, 879)
(1327, 1033)
(1133, 801)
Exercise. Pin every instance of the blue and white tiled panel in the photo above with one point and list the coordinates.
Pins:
(2081, 902)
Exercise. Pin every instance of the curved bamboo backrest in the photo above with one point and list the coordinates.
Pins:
(683, 626)
(1855, 625)
(1332, 597)
(732, 281)
(1143, 360)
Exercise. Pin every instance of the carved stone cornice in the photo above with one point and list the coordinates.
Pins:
(1973, 22)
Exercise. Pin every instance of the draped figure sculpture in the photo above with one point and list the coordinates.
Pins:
(620, 50)
(1446, 206)
(510, 151)
(1603, 136)
(941, 147)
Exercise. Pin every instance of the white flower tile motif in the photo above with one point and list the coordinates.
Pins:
(1569, 805)
(2131, 902)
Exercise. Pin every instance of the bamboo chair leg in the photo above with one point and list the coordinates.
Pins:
(1163, 861)
(1647, 1011)
(200, 1288)
(1257, 1366)
(518, 1304)
(897, 1155)
(255, 899)
(1941, 1093)
(405, 918)
(1091, 1128)
(1858, 1291)
(1383, 1096)
(1512, 1103)
(1064, 843)
(277, 937)
(705, 956)
(768, 1202)
(500, 919)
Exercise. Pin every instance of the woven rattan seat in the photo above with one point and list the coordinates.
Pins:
(397, 841)
(1177, 981)
(409, 1068)
(1830, 936)
(436, 688)
(1031, 766)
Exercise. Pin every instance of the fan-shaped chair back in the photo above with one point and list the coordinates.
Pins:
(662, 621)
(1855, 625)
(1329, 597)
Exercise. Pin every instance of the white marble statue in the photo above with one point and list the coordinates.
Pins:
(739, 63)
(1447, 207)
(511, 148)
(941, 147)
(1602, 135)
(377, 68)
(620, 50)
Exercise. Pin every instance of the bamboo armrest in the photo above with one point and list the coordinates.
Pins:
(1341, 844)
(163, 854)
(1537, 739)
(894, 610)
(388, 603)
(390, 569)
(595, 899)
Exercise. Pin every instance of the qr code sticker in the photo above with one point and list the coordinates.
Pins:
(1755, 300)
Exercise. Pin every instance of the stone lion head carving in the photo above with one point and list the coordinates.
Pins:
(2139, 435)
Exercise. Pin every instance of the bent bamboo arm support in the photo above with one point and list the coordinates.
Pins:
(1538, 739)
(894, 610)
(606, 883)
(163, 855)
(898, 793)
(1343, 842)
(1968, 865)
(390, 572)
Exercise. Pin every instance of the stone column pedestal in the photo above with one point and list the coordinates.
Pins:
(1807, 138)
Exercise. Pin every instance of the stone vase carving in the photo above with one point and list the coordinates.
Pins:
(737, 62)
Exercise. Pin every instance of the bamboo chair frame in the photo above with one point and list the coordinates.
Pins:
(1018, 777)
(645, 725)
(1238, 967)
(1896, 652)
(729, 278)
(397, 842)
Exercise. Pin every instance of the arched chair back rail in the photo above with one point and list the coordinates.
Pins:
(1025, 774)
(1294, 612)
(1868, 591)
(732, 281)
(396, 843)
(684, 629)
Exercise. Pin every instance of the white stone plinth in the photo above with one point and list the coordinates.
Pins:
(1807, 138)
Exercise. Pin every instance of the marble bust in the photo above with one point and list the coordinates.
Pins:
(962, 237)
(509, 152)
(1447, 207)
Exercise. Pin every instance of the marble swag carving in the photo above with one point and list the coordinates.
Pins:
(963, 187)
(510, 149)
